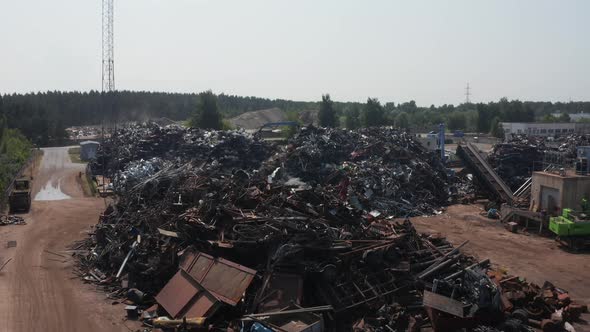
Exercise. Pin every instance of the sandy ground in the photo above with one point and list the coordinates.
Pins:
(534, 257)
(38, 291)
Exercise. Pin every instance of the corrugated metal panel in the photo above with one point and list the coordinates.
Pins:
(176, 294)
(203, 305)
(224, 279)
(227, 282)
(200, 267)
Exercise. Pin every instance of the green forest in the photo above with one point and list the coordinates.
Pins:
(15, 150)
(43, 117)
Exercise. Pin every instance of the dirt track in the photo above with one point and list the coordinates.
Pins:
(37, 289)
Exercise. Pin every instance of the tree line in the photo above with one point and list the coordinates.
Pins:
(15, 149)
(43, 117)
(480, 117)
(483, 118)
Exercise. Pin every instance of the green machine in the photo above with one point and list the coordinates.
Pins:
(572, 229)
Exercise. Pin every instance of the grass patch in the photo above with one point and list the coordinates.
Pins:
(75, 155)
(92, 184)
(88, 186)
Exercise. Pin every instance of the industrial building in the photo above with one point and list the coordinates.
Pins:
(552, 191)
(545, 129)
(561, 188)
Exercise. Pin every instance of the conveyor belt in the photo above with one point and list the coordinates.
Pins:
(484, 172)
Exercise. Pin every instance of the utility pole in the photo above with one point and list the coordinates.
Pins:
(467, 94)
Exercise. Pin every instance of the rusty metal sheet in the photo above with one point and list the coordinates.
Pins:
(444, 304)
(224, 279)
(200, 266)
(177, 293)
(203, 305)
(283, 290)
(228, 282)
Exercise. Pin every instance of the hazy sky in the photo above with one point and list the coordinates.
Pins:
(392, 50)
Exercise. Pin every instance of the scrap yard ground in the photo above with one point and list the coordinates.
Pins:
(39, 292)
(534, 257)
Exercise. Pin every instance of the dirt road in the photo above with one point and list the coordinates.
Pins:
(534, 257)
(37, 289)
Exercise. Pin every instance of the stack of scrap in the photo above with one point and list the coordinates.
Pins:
(519, 156)
(385, 169)
(176, 144)
(514, 162)
(11, 220)
(568, 144)
(222, 231)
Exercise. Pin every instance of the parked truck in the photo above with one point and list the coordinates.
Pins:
(20, 197)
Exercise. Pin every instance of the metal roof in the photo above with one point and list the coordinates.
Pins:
(89, 142)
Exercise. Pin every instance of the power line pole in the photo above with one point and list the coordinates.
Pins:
(467, 94)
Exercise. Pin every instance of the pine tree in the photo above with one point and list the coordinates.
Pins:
(327, 115)
(207, 115)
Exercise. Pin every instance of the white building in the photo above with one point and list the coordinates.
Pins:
(574, 116)
(545, 129)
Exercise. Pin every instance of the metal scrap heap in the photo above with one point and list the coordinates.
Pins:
(174, 144)
(515, 160)
(384, 169)
(219, 231)
(11, 220)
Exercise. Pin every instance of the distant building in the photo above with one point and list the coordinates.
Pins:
(88, 150)
(574, 116)
(545, 129)
(429, 141)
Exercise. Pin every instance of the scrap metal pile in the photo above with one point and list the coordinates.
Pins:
(11, 220)
(225, 232)
(516, 159)
(387, 170)
(568, 144)
(137, 144)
